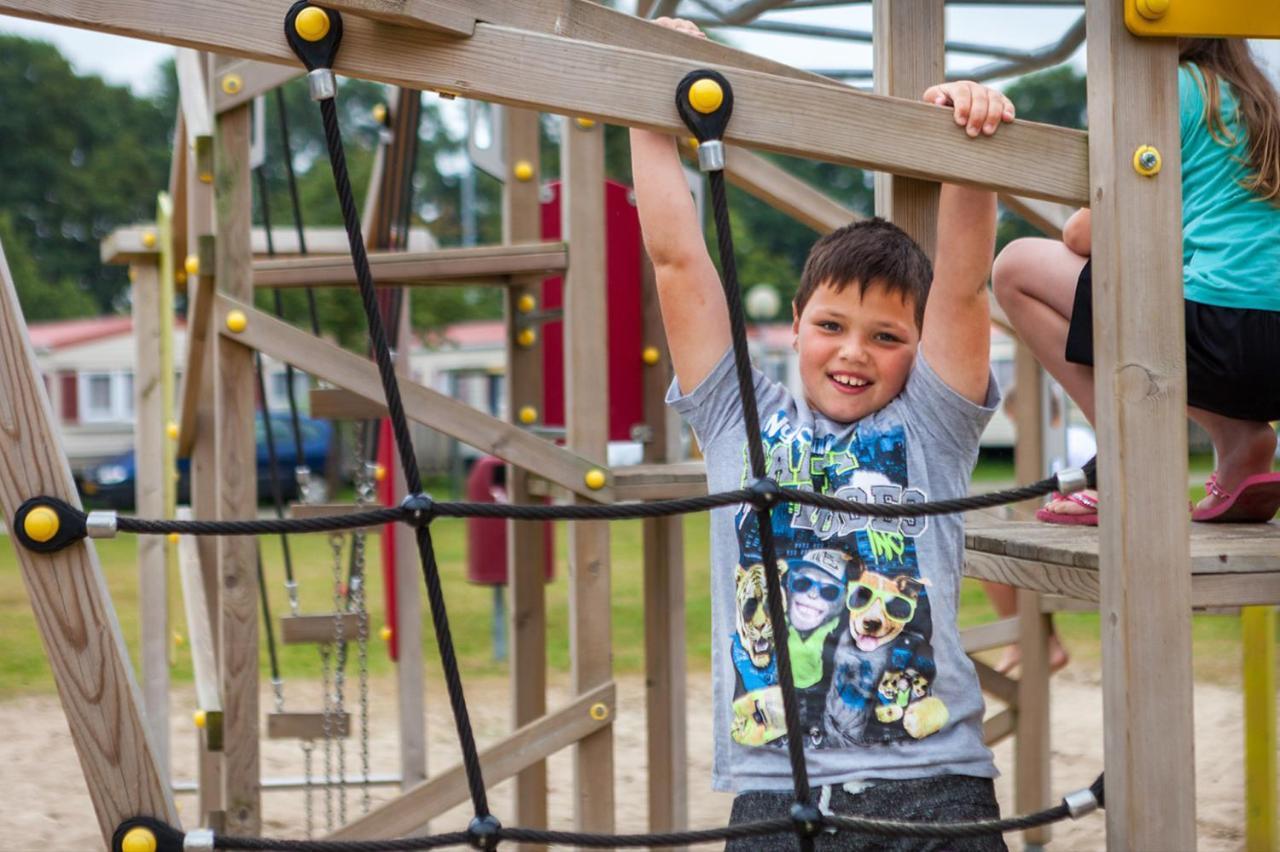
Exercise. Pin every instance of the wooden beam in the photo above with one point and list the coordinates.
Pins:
(308, 726)
(1047, 216)
(199, 345)
(984, 637)
(623, 86)
(530, 744)
(1140, 374)
(318, 629)
(149, 498)
(1032, 753)
(442, 267)
(70, 601)
(1000, 685)
(342, 404)
(237, 487)
(200, 638)
(909, 56)
(664, 481)
(335, 365)
(324, 510)
(193, 93)
(526, 542)
(784, 191)
(128, 244)
(999, 726)
(254, 78)
(1258, 633)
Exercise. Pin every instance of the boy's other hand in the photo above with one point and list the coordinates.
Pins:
(680, 25)
(979, 108)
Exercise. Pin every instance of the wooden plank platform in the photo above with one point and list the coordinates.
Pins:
(1231, 564)
(307, 726)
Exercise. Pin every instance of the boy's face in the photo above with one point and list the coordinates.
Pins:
(855, 349)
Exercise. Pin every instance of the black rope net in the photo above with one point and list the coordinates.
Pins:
(763, 495)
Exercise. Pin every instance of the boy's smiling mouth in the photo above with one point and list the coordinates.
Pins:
(849, 383)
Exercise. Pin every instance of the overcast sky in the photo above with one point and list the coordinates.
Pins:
(134, 63)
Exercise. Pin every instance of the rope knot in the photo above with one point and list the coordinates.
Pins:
(484, 832)
(764, 493)
(420, 509)
(806, 819)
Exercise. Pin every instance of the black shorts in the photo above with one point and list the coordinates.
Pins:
(944, 798)
(1232, 354)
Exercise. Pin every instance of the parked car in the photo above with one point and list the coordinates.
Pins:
(112, 482)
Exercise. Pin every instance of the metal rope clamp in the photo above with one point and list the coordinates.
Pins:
(704, 100)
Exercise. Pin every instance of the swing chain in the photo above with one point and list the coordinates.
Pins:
(308, 780)
(338, 701)
(366, 494)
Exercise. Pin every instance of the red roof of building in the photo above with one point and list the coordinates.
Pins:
(62, 333)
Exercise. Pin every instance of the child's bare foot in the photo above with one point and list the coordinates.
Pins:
(1012, 657)
(1251, 451)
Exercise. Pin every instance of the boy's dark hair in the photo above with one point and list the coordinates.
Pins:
(869, 252)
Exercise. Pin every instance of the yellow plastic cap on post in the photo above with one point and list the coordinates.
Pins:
(526, 303)
(385, 633)
(171, 429)
(528, 414)
(651, 355)
(237, 322)
(380, 113)
(232, 84)
(173, 538)
(312, 23)
(180, 277)
(1146, 161)
(523, 170)
(379, 473)
(139, 839)
(192, 264)
(199, 718)
(595, 479)
(149, 239)
(706, 96)
(585, 123)
(41, 524)
(527, 337)
(1153, 9)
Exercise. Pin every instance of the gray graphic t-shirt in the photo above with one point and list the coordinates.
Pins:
(885, 690)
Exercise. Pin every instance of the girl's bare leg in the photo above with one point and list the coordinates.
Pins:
(1241, 448)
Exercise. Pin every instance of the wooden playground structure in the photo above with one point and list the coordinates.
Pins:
(1144, 568)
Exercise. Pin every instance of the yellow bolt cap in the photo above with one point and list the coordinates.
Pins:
(526, 303)
(651, 355)
(178, 640)
(173, 538)
(385, 633)
(192, 264)
(237, 322)
(180, 277)
(599, 711)
(706, 96)
(584, 123)
(139, 839)
(171, 429)
(41, 524)
(206, 177)
(379, 473)
(199, 718)
(595, 479)
(149, 239)
(1147, 161)
(693, 142)
(527, 337)
(1153, 9)
(528, 414)
(380, 113)
(523, 170)
(232, 84)
(312, 23)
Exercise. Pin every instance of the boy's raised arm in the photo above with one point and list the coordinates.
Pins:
(956, 338)
(689, 291)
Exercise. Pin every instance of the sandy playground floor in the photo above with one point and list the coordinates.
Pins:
(46, 805)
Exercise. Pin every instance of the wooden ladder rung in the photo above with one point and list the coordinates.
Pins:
(307, 726)
(318, 629)
(325, 510)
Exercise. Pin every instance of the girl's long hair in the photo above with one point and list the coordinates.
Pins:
(1259, 106)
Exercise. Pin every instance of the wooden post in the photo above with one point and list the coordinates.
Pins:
(149, 494)
(70, 601)
(526, 542)
(1141, 400)
(237, 480)
(586, 398)
(1258, 624)
(909, 57)
(408, 627)
(664, 602)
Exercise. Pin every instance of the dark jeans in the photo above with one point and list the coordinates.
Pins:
(946, 798)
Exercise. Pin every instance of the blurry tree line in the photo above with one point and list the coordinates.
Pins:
(84, 157)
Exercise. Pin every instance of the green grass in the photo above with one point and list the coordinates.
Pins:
(23, 668)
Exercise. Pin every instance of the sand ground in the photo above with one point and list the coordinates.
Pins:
(46, 805)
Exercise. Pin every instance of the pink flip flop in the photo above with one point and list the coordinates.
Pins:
(1082, 519)
(1255, 501)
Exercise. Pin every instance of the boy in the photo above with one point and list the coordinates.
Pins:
(897, 389)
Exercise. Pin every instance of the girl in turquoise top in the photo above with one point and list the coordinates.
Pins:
(1230, 120)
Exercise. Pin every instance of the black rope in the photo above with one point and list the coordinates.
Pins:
(413, 480)
(312, 312)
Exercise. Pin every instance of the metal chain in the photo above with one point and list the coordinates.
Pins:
(334, 742)
(308, 782)
(366, 494)
(331, 677)
(326, 723)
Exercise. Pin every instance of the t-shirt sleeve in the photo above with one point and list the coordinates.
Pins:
(944, 415)
(715, 404)
(1190, 98)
